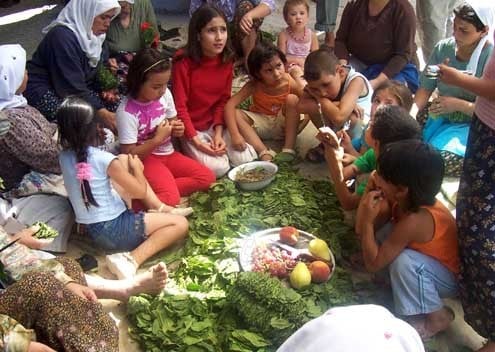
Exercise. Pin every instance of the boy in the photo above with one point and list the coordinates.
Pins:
(391, 124)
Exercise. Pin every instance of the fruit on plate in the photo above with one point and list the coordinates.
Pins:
(320, 271)
(319, 249)
(289, 235)
(300, 277)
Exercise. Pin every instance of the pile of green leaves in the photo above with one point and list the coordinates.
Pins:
(106, 79)
(207, 264)
(45, 231)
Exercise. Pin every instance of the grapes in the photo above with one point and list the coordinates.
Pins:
(272, 260)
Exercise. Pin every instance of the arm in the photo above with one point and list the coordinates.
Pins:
(260, 11)
(315, 45)
(421, 99)
(282, 42)
(483, 87)
(219, 112)
(296, 81)
(342, 35)
(133, 181)
(230, 108)
(30, 139)
(180, 91)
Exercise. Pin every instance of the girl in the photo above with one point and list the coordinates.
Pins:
(297, 40)
(421, 250)
(475, 201)
(88, 176)
(273, 111)
(202, 81)
(146, 121)
(448, 117)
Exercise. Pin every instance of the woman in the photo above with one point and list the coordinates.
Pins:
(475, 201)
(124, 34)
(449, 115)
(65, 62)
(33, 186)
(377, 38)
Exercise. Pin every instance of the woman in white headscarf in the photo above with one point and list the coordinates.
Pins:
(29, 156)
(448, 117)
(65, 62)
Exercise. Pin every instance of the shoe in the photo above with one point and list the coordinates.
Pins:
(122, 265)
(182, 211)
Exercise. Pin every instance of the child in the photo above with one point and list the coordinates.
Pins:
(272, 114)
(391, 124)
(202, 81)
(89, 174)
(146, 123)
(475, 201)
(421, 250)
(332, 94)
(389, 92)
(297, 40)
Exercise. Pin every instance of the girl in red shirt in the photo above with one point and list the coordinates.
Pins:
(201, 85)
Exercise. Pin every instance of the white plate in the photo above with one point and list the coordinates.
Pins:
(249, 243)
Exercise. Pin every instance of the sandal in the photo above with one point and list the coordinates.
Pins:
(316, 154)
(286, 155)
(267, 153)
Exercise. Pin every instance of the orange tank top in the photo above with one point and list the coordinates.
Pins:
(443, 246)
(268, 104)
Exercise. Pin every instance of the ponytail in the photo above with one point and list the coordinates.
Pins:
(77, 131)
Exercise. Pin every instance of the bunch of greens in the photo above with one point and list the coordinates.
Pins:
(45, 231)
(106, 79)
(208, 265)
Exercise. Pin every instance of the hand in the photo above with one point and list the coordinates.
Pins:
(26, 238)
(358, 112)
(178, 128)
(39, 347)
(203, 147)
(371, 185)
(163, 131)
(370, 206)
(218, 144)
(82, 291)
(110, 96)
(443, 105)
(449, 75)
(108, 118)
(135, 164)
(328, 137)
(348, 159)
(246, 23)
(313, 93)
(345, 141)
(238, 142)
(296, 71)
(112, 65)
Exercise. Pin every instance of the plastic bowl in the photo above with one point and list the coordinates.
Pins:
(257, 185)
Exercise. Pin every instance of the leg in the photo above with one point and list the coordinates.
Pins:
(162, 182)
(162, 230)
(61, 319)
(292, 118)
(326, 16)
(248, 132)
(489, 347)
(419, 283)
(190, 176)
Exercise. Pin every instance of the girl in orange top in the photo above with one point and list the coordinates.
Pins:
(272, 114)
(421, 250)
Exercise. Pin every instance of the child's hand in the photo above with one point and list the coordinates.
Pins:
(177, 128)
(163, 130)
(370, 204)
(82, 291)
(135, 164)
(203, 147)
(238, 142)
(328, 137)
(313, 93)
(348, 159)
(218, 144)
(345, 140)
(358, 112)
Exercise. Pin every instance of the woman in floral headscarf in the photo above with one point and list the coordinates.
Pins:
(65, 62)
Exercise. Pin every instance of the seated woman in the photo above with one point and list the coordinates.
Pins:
(449, 115)
(246, 17)
(389, 52)
(33, 186)
(65, 62)
(421, 251)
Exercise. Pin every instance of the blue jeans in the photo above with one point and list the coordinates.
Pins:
(326, 15)
(419, 282)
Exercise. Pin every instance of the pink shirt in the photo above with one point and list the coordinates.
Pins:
(299, 48)
(485, 108)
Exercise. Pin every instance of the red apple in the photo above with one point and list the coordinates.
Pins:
(289, 235)
(320, 271)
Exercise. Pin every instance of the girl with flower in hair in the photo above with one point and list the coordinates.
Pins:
(91, 177)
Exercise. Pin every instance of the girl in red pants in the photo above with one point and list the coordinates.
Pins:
(146, 123)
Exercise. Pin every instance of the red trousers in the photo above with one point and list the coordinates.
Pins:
(175, 175)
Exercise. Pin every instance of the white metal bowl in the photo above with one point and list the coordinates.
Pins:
(257, 185)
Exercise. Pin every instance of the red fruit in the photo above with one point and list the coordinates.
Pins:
(320, 271)
(289, 235)
(145, 26)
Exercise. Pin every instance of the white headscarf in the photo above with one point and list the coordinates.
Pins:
(363, 328)
(78, 15)
(12, 68)
(485, 9)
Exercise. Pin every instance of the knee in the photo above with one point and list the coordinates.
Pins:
(206, 178)
(182, 226)
(291, 101)
(401, 264)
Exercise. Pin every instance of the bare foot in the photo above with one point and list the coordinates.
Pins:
(151, 282)
(439, 321)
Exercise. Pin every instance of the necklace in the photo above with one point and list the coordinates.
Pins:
(293, 35)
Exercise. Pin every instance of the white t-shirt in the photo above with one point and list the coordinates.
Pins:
(136, 122)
